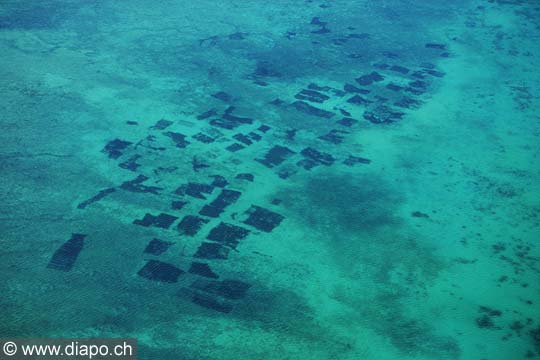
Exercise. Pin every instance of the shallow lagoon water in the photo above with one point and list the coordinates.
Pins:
(286, 180)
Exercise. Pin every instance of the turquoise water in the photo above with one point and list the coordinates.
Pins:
(273, 180)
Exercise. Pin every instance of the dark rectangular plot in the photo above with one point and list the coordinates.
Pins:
(263, 219)
(190, 225)
(224, 123)
(311, 110)
(223, 96)
(243, 139)
(399, 69)
(195, 190)
(347, 121)
(64, 258)
(334, 136)
(219, 181)
(100, 195)
(212, 303)
(136, 185)
(369, 79)
(418, 75)
(178, 138)
(254, 136)
(245, 176)
(131, 163)
(311, 95)
(307, 164)
(224, 199)
(228, 289)
(157, 247)
(276, 156)
(202, 269)
(237, 119)
(162, 220)
(436, 46)
(161, 124)
(160, 271)
(313, 86)
(407, 103)
(212, 251)
(205, 139)
(359, 100)
(115, 148)
(352, 160)
(227, 234)
(235, 147)
(178, 205)
(207, 114)
(394, 87)
(317, 156)
(264, 128)
(418, 84)
(353, 89)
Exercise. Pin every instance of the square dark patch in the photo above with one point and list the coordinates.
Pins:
(276, 156)
(178, 205)
(227, 234)
(190, 225)
(353, 89)
(115, 148)
(161, 124)
(334, 136)
(157, 247)
(195, 190)
(223, 96)
(224, 199)
(219, 181)
(263, 219)
(359, 100)
(131, 163)
(207, 114)
(311, 110)
(243, 139)
(352, 160)
(160, 271)
(369, 79)
(317, 156)
(234, 147)
(211, 251)
(178, 138)
(399, 69)
(162, 220)
(205, 139)
(64, 258)
(136, 185)
(202, 269)
(347, 121)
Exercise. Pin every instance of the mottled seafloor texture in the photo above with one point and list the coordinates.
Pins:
(325, 179)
